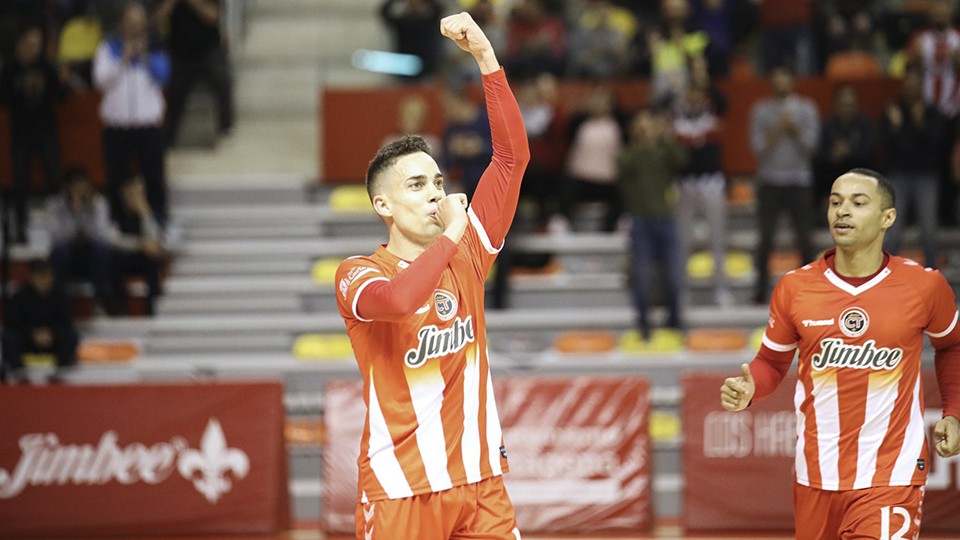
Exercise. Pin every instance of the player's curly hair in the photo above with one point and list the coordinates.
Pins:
(387, 155)
(888, 196)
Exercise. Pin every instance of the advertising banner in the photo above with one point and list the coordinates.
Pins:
(578, 447)
(99, 461)
(752, 451)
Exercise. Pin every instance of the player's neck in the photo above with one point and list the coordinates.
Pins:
(855, 263)
(404, 247)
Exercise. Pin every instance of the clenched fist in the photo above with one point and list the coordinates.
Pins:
(466, 33)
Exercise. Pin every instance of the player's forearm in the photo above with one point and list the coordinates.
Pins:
(947, 363)
(768, 369)
(400, 297)
(487, 60)
(495, 200)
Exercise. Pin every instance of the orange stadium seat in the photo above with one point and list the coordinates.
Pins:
(852, 66)
(716, 339)
(105, 352)
(581, 341)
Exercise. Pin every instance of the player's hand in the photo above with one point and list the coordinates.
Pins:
(466, 33)
(736, 392)
(947, 436)
(452, 215)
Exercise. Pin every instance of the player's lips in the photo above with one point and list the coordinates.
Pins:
(842, 227)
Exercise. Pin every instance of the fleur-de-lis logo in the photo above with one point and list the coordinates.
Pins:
(207, 467)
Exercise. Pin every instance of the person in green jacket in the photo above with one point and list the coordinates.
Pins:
(646, 171)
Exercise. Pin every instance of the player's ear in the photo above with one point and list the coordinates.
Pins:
(887, 218)
(381, 204)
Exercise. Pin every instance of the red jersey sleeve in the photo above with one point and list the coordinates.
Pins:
(366, 294)
(495, 199)
(780, 341)
(945, 337)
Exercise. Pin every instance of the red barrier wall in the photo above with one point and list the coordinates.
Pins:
(754, 449)
(174, 459)
(354, 122)
(578, 447)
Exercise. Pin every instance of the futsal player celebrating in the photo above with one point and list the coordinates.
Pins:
(857, 317)
(432, 453)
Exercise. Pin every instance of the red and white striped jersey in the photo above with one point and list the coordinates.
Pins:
(859, 398)
(936, 51)
(432, 421)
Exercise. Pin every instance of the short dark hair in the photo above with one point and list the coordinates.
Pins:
(888, 196)
(388, 154)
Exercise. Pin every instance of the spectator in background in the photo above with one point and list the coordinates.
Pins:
(411, 120)
(845, 25)
(714, 17)
(847, 141)
(81, 236)
(414, 24)
(196, 52)
(30, 87)
(536, 41)
(702, 184)
(38, 320)
(912, 140)
(786, 35)
(131, 70)
(545, 122)
(936, 51)
(646, 170)
(140, 243)
(601, 41)
(783, 136)
(675, 45)
(467, 146)
(597, 135)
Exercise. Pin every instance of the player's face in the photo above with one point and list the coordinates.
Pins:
(855, 212)
(414, 188)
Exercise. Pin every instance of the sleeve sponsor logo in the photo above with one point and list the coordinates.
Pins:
(353, 275)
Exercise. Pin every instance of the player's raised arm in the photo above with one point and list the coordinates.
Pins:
(495, 200)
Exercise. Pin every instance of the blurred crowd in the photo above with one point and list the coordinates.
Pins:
(657, 172)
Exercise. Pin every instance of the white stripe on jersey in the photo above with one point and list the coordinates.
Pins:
(426, 393)
(383, 460)
(771, 344)
(356, 297)
(881, 397)
(482, 233)
(471, 416)
(494, 434)
(949, 328)
(826, 408)
(913, 440)
(800, 461)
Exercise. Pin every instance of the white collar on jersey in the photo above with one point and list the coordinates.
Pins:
(839, 283)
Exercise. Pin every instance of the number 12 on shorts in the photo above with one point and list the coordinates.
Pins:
(885, 513)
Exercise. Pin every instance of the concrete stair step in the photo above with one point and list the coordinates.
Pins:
(203, 268)
(252, 231)
(216, 306)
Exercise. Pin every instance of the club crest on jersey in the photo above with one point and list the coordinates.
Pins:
(854, 322)
(445, 303)
(436, 342)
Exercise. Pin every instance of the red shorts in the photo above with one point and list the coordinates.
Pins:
(480, 511)
(881, 513)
